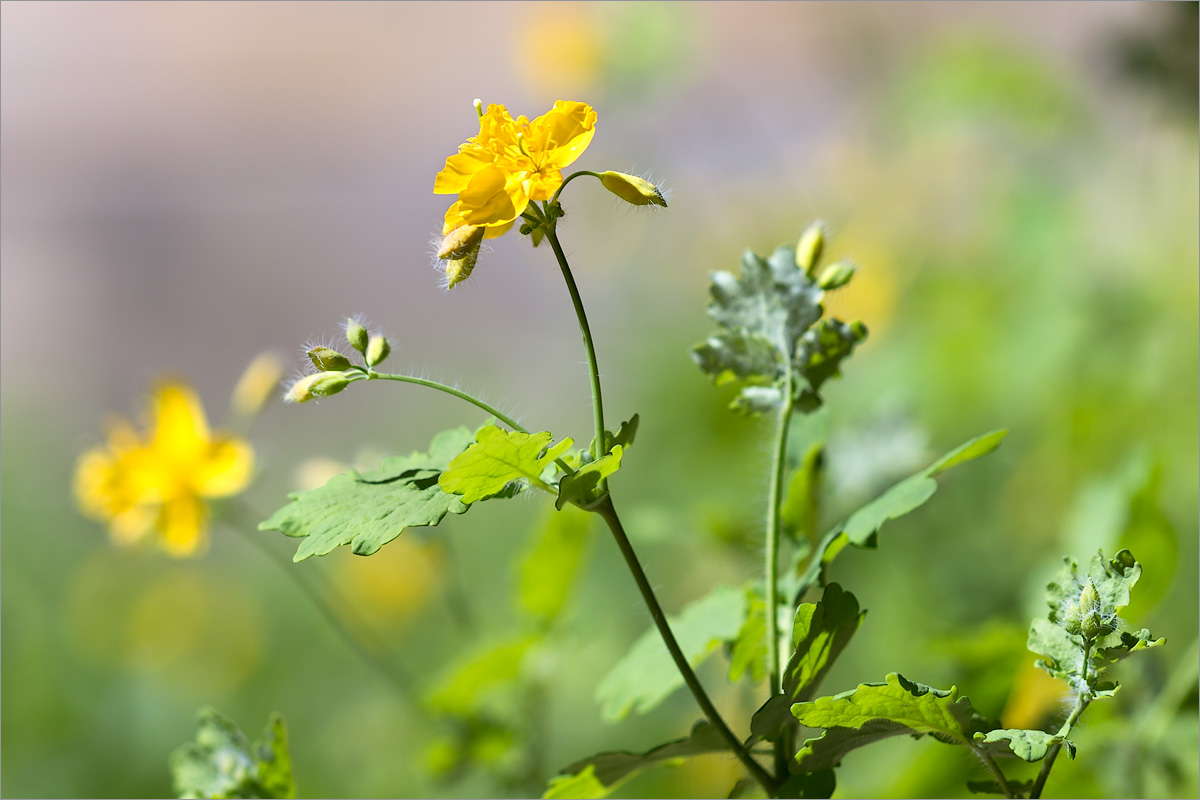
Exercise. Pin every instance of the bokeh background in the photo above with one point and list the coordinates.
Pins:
(186, 185)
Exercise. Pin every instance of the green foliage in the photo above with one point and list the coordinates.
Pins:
(550, 568)
(480, 677)
(1025, 745)
(583, 487)
(820, 633)
(875, 711)
(749, 649)
(498, 458)
(368, 510)
(861, 528)
(646, 675)
(600, 774)
(773, 334)
(222, 762)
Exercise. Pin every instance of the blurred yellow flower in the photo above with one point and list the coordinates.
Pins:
(509, 163)
(157, 484)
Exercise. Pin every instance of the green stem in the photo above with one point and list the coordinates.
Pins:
(450, 390)
(771, 569)
(472, 399)
(993, 767)
(590, 349)
(606, 510)
(365, 645)
(1081, 702)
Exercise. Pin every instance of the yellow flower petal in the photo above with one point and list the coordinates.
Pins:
(491, 198)
(183, 523)
(180, 427)
(225, 470)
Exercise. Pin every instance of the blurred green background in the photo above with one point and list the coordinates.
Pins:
(186, 185)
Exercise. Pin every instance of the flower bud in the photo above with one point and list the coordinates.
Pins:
(808, 249)
(328, 383)
(632, 189)
(356, 335)
(325, 358)
(377, 350)
(460, 241)
(835, 276)
(459, 269)
(301, 390)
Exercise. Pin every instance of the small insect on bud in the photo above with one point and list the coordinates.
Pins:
(356, 335)
(808, 249)
(460, 241)
(377, 350)
(835, 276)
(326, 358)
(632, 189)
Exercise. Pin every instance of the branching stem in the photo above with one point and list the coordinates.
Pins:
(771, 568)
(1081, 702)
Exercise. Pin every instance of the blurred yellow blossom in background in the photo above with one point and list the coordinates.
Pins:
(155, 485)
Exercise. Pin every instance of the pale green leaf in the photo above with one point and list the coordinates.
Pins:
(368, 510)
(222, 762)
(600, 774)
(480, 678)
(647, 675)
(583, 487)
(496, 459)
(772, 323)
(549, 568)
(875, 711)
(1025, 745)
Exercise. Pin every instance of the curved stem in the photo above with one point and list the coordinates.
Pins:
(593, 368)
(606, 510)
(771, 569)
(365, 645)
(994, 768)
(441, 387)
(570, 178)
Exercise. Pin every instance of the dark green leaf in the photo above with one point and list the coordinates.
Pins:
(222, 762)
(820, 783)
(496, 459)
(600, 774)
(647, 675)
(368, 510)
(749, 653)
(583, 488)
(877, 711)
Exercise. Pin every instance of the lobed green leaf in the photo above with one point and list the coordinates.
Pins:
(496, 459)
(875, 711)
(1024, 744)
(368, 510)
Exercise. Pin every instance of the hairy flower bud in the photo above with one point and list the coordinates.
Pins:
(460, 241)
(808, 249)
(325, 358)
(377, 350)
(329, 383)
(459, 269)
(301, 390)
(835, 276)
(356, 335)
(632, 189)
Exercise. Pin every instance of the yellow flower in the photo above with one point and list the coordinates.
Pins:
(157, 483)
(509, 163)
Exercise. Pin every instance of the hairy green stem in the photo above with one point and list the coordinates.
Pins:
(450, 390)
(771, 568)
(606, 510)
(1081, 702)
(364, 645)
(590, 349)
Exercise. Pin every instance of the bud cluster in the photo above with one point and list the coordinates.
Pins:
(335, 370)
(1087, 615)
